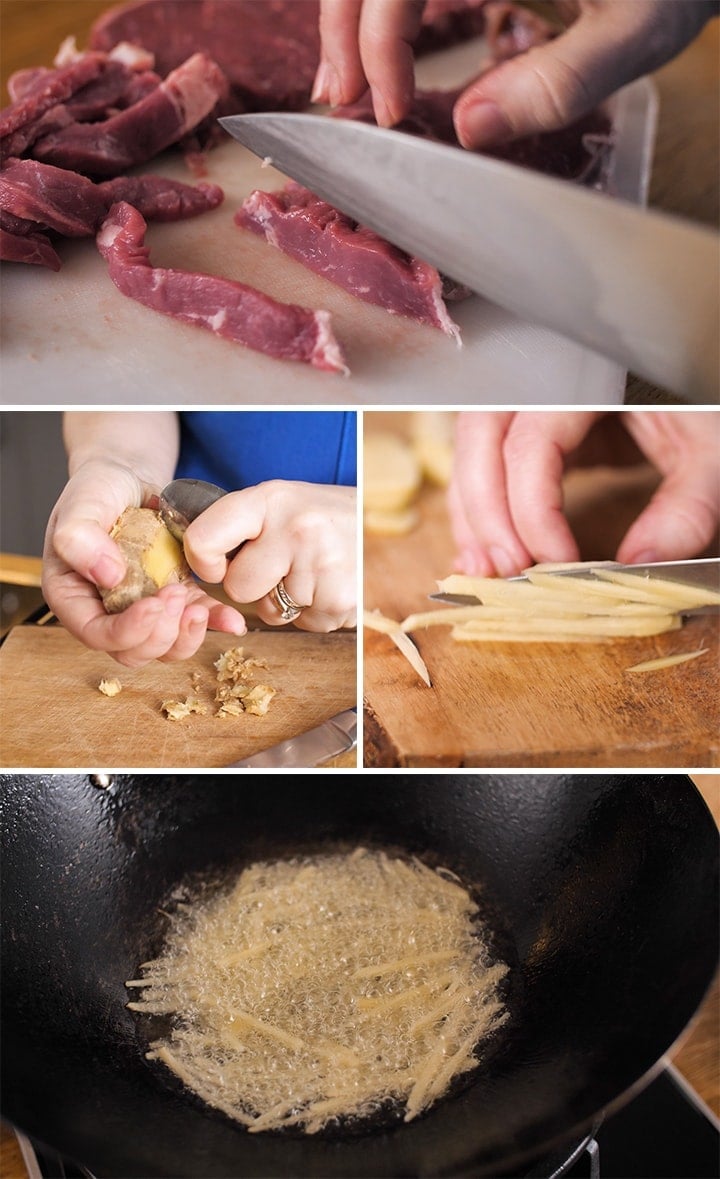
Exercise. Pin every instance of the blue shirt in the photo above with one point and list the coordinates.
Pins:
(243, 447)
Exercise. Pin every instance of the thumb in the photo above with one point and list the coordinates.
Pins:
(679, 522)
(85, 546)
(78, 530)
(552, 85)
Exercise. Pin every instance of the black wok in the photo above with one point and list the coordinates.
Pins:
(602, 892)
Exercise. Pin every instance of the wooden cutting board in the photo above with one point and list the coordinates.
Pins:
(531, 705)
(54, 716)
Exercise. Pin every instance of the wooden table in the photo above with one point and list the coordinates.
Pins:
(696, 1056)
(685, 170)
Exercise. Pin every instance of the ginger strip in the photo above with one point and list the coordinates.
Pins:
(565, 630)
(667, 661)
(388, 626)
(325, 1025)
(683, 597)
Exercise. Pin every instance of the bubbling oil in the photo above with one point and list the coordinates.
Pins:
(317, 990)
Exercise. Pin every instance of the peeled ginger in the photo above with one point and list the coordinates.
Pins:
(154, 558)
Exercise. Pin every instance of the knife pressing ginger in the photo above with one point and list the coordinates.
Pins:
(611, 663)
(118, 581)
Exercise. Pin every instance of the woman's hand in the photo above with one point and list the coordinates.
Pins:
(607, 44)
(506, 495)
(301, 533)
(79, 556)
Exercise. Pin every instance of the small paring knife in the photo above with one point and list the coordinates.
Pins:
(699, 574)
(329, 739)
(636, 285)
(183, 500)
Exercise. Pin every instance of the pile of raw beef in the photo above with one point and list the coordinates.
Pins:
(156, 75)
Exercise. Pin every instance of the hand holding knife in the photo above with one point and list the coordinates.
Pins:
(183, 500)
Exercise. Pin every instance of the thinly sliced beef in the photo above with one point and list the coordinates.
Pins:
(142, 131)
(52, 198)
(17, 121)
(160, 199)
(269, 51)
(229, 309)
(116, 89)
(37, 197)
(333, 245)
(122, 81)
(34, 249)
(22, 83)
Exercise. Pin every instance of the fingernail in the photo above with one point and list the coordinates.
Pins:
(106, 571)
(321, 85)
(327, 86)
(174, 605)
(503, 562)
(646, 557)
(482, 125)
(383, 116)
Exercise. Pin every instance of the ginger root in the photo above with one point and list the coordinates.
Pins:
(153, 556)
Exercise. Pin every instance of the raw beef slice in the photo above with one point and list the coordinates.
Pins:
(355, 258)
(37, 198)
(18, 121)
(229, 309)
(33, 249)
(143, 130)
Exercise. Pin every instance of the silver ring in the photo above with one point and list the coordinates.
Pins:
(289, 610)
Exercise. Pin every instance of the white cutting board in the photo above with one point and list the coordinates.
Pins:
(71, 338)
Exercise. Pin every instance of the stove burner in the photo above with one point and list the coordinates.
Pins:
(665, 1132)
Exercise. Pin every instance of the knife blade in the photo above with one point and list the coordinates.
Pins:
(703, 573)
(183, 500)
(638, 286)
(312, 748)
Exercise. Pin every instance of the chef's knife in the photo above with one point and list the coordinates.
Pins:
(703, 574)
(312, 748)
(638, 286)
(182, 501)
